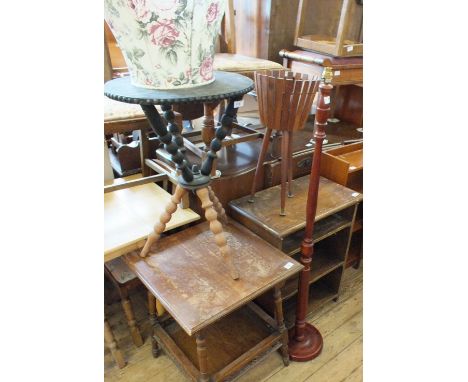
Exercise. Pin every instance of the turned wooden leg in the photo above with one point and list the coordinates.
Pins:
(217, 206)
(208, 123)
(217, 229)
(112, 345)
(284, 169)
(290, 164)
(281, 326)
(202, 357)
(163, 220)
(135, 333)
(261, 158)
(154, 322)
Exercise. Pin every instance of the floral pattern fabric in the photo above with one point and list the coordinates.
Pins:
(166, 43)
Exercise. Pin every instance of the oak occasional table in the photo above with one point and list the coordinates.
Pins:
(231, 332)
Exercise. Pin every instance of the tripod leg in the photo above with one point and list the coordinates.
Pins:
(217, 206)
(290, 167)
(217, 229)
(261, 158)
(165, 217)
(284, 169)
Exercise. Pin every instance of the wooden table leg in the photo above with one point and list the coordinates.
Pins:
(217, 228)
(202, 357)
(154, 322)
(208, 129)
(284, 169)
(128, 310)
(165, 217)
(261, 158)
(217, 206)
(280, 322)
(290, 163)
(112, 345)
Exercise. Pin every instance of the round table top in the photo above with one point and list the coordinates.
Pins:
(225, 85)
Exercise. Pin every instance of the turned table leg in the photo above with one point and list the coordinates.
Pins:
(163, 220)
(217, 206)
(217, 229)
(112, 345)
(208, 128)
(280, 322)
(154, 323)
(128, 310)
(202, 357)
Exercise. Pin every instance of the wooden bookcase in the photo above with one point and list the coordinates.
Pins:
(344, 165)
(332, 27)
(336, 211)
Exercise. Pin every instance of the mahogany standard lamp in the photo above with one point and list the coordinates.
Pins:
(305, 341)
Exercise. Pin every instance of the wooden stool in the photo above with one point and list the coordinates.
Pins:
(217, 331)
(284, 100)
(125, 280)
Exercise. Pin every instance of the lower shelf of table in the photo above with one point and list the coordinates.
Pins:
(232, 343)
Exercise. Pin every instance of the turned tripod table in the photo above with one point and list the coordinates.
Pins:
(192, 177)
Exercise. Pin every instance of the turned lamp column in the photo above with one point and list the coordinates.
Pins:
(305, 341)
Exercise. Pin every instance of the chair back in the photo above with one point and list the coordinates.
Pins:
(285, 98)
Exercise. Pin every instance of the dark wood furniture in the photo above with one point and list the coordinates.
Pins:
(347, 100)
(334, 219)
(124, 280)
(344, 165)
(332, 27)
(230, 331)
(285, 100)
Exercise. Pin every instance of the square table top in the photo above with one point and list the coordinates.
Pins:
(332, 197)
(131, 213)
(186, 273)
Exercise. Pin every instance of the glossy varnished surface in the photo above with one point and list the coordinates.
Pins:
(264, 212)
(187, 274)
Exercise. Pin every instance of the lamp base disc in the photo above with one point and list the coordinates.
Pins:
(308, 349)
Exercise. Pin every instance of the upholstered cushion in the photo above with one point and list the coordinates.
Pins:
(115, 110)
(239, 63)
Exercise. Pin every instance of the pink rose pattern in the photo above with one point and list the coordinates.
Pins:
(163, 33)
(212, 13)
(162, 24)
(141, 10)
(206, 68)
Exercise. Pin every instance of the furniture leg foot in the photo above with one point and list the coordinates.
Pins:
(112, 345)
(202, 357)
(308, 348)
(135, 333)
(159, 227)
(155, 350)
(280, 322)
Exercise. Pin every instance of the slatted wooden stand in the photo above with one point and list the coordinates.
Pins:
(285, 100)
(305, 341)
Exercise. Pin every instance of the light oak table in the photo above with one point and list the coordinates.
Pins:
(130, 214)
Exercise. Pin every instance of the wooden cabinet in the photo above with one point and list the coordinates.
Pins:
(335, 217)
(332, 27)
(344, 165)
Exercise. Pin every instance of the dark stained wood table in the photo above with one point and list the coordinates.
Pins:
(186, 275)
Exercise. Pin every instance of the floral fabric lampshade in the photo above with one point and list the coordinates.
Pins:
(166, 44)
